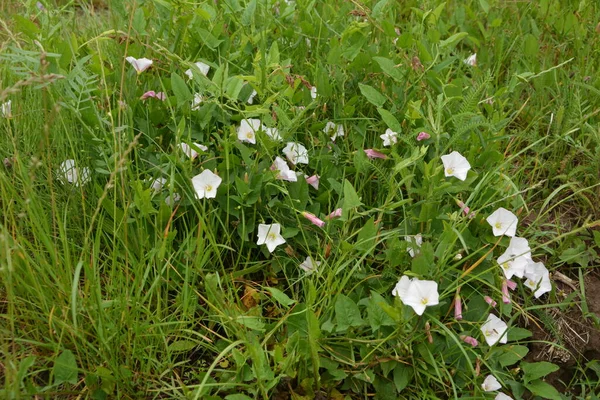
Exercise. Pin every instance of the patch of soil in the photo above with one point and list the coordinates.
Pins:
(573, 339)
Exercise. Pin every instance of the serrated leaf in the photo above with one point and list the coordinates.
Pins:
(347, 313)
(280, 297)
(372, 95)
(390, 120)
(537, 370)
(543, 389)
(65, 368)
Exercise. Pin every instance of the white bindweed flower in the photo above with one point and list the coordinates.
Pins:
(313, 92)
(252, 96)
(491, 384)
(338, 130)
(197, 102)
(494, 330)
(456, 165)
(538, 279)
(6, 109)
(389, 137)
(503, 222)
(68, 172)
(415, 242)
(516, 257)
(205, 184)
(203, 68)
(189, 151)
(158, 184)
(140, 65)
(296, 153)
(313, 181)
(502, 396)
(417, 293)
(246, 132)
(273, 133)
(283, 170)
(269, 234)
(471, 60)
(309, 266)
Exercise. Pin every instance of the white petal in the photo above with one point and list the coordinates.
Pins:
(491, 384)
(503, 222)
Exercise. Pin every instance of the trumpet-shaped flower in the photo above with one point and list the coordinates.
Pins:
(313, 181)
(516, 257)
(151, 93)
(337, 130)
(502, 396)
(491, 384)
(457, 308)
(283, 170)
(538, 279)
(6, 109)
(269, 234)
(314, 219)
(374, 154)
(189, 151)
(471, 60)
(469, 340)
(415, 242)
(206, 184)
(494, 330)
(313, 92)
(200, 66)
(309, 266)
(503, 222)
(335, 214)
(139, 64)
(68, 172)
(296, 153)
(417, 293)
(197, 102)
(505, 294)
(389, 137)
(423, 136)
(456, 165)
(246, 132)
(490, 301)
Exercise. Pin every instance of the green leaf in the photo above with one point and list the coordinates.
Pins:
(182, 93)
(509, 355)
(351, 199)
(403, 375)
(537, 370)
(65, 368)
(379, 9)
(27, 27)
(518, 334)
(372, 95)
(390, 120)
(389, 68)
(376, 313)
(251, 322)
(454, 39)
(485, 6)
(280, 297)
(182, 346)
(423, 263)
(367, 236)
(543, 389)
(233, 87)
(347, 313)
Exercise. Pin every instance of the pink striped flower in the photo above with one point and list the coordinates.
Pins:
(335, 214)
(160, 95)
(469, 340)
(505, 294)
(423, 136)
(490, 301)
(512, 285)
(371, 153)
(313, 181)
(313, 218)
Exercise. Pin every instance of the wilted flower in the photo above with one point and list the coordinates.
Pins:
(417, 293)
(494, 330)
(197, 102)
(309, 266)
(160, 95)
(503, 222)
(338, 130)
(423, 136)
(416, 242)
(70, 173)
(189, 151)
(313, 92)
(246, 132)
(456, 165)
(374, 154)
(516, 257)
(490, 384)
(389, 137)
(140, 65)
(314, 219)
(269, 234)
(203, 68)
(6, 109)
(538, 279)
(313, 181)
(283, 170)
(206, 184)
(335, 214)
(471, 60)
(469, 340)
(296, 153)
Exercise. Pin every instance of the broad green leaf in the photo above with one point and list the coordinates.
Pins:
(423, 263)
(367, 236)
(251, 322)
(376, 313)
(372, 95)
(182, 345)
(403, 375)
(543, 389)
(537, 370)
(518, 334)
(379, 9)
(485, 6)
(347, 313)
(280, 297)
(233, 87)
(351, 199)
(454, 39)
(182, 93)
(65, 368)
(389, 68)
(390, 120)
(27, 27)
(510, 354)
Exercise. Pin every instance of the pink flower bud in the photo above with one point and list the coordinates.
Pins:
(160, 95)
(423, 136)
(469, 340)
(490, 301)
(466, 210)
(313, 181)
(511, 284)
(505, 295)
(335, 214)
(457, 308)
(313, 218)
(374, 154)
